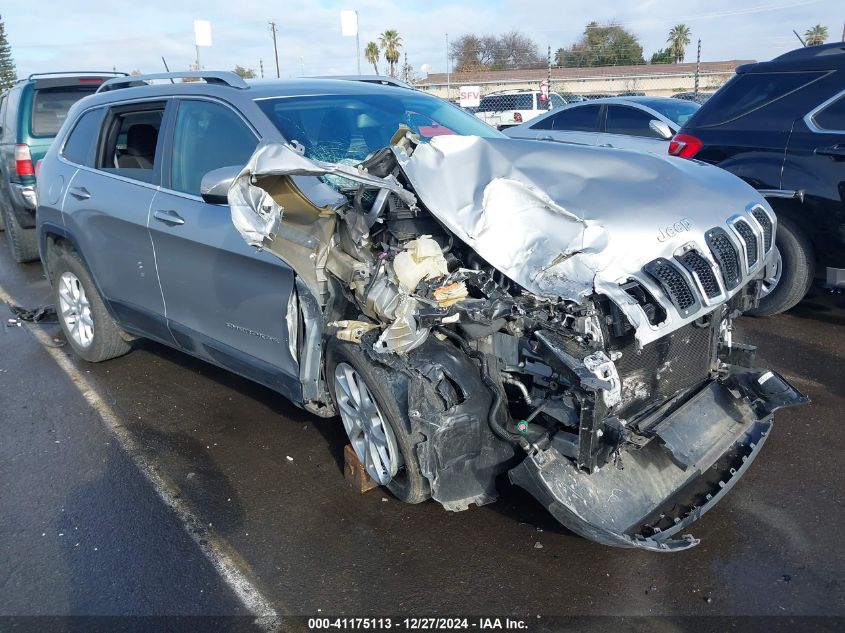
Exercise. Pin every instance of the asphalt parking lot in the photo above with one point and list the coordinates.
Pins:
(83, 531)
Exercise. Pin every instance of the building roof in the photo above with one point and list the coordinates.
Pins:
(563, 74)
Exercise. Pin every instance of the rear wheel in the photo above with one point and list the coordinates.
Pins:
(22, 242)
(88, 326)
(791, 275)
(372, 404)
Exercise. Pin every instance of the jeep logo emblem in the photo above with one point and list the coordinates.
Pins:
(672, 230)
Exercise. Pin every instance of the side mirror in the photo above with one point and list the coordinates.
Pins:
(214, 186)
(660, 128)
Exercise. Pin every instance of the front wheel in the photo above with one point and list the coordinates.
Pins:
(372, 403)
(790, 275)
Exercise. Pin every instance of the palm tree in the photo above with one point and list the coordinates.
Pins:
(371, 53)
(390, 44)
(816, 35)
(678, 39)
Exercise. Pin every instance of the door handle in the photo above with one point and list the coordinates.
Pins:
(169, 217)
(606, 145)
(80, 193)
(544, 138)
(837, 152)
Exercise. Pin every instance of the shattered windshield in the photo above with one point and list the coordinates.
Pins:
(347, 128)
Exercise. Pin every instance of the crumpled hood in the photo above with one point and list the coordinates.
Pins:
(554, 216)
(568, 220)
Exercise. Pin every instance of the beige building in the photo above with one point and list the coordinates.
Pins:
(652, 79)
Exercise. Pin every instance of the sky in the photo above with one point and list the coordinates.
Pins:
(52, 35)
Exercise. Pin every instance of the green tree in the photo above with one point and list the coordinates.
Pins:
(8, 74)
(371, 53)
(245, 73)
(602, 45)
(678, 40)
(663, 56)
(390, 44)
(816, 35)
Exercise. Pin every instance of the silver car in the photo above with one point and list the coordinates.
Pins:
(467, 305)
(640, 123)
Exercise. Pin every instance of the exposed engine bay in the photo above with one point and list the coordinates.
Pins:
(539, 337)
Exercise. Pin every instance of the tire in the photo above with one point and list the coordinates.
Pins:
(22, 242)
(797, 270)
(106, 340)
(390, 392)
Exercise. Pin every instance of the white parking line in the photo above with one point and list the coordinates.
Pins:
(216, 550)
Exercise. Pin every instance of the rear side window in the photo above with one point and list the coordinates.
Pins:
(131, 140)
(207, 136)
(832, 118)
(579, 119)
(630, 122)
(50, 106)
(557, 100)
(79, 147)
(748, 92)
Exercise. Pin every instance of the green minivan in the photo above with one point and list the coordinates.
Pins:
(31, 113)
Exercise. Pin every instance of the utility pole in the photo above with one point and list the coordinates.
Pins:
(549, 78)
(843, 31)
(448, 74)
(275, 48)
(697, 66)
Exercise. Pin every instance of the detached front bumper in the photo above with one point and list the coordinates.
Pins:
(653, 493)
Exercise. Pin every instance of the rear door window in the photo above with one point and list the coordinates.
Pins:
(629, 121)
(748, 92)
(50, 107)
(207, 136)
(832, 117)
(131, 141)
(578, 119)
(82, 140)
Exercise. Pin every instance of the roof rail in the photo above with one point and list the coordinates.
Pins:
(384, 80)
(78, 72)
(219, 77)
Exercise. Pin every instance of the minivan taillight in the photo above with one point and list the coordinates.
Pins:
(684, 145)
(517, 116)
(23, 160)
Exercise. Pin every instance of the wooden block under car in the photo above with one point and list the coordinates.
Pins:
(355, 472)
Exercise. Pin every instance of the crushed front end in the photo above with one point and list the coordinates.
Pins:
(554, 317)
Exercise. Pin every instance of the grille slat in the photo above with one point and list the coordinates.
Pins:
(747, 234)
(766, 222)
(695, 263)
(725, 255)
(673, 284)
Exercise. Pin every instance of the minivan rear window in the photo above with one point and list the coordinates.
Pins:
(50, 106)
(747, 92)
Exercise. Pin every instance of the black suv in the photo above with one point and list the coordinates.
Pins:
(31, 113)
(780, 125)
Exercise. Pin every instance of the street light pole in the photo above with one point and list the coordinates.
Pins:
(275, 48)
(357, 43)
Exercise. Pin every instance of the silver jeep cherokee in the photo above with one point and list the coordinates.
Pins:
(470, 305)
